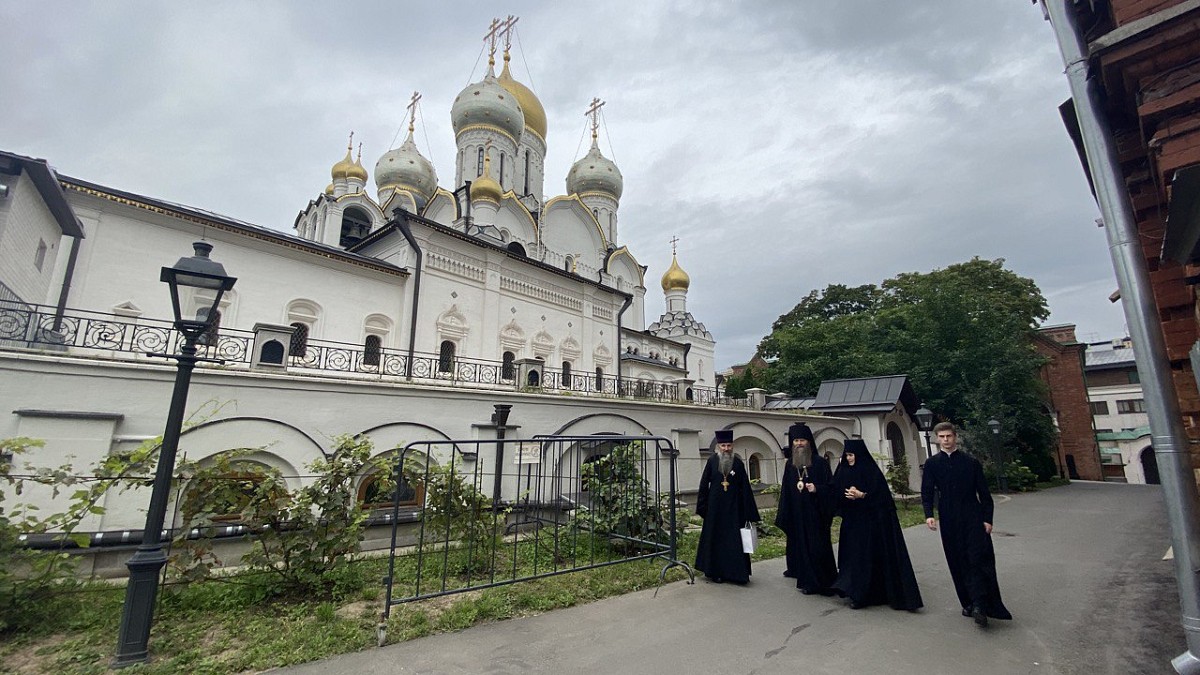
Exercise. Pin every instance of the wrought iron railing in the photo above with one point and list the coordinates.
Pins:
(96, 334)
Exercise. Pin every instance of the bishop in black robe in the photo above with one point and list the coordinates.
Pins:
(953, 480)
(873, 563)
(806, 512)
(726, 503)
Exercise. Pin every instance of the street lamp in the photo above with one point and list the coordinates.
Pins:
(925, 423)
(1002, 476)
(202, 273)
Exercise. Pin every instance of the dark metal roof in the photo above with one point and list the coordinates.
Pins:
(44, 180)
(803, 403)
(1103, 359)
(866, 394)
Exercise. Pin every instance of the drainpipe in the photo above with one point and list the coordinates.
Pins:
(1137, 300)
(400, 218)
(620, 317)
(66, 285)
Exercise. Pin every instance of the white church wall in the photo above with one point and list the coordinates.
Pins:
(30, 242)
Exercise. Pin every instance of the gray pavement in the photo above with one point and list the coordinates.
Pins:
(1080, 567)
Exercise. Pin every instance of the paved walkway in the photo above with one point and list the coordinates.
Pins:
(1080, 567)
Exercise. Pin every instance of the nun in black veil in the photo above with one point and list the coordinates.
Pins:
(873, 563)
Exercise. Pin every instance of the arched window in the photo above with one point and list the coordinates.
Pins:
(526, 190)
(226, 496)
(566, 375)
(755, 468)
(356, 225)
(299, 344)
(517, 248)
(568, 263)
(507, 370)
(501, 181)
(599, 378)
(446, 357)
(596, 214)
(534, 379)
(371, 349)
(379, 491)
(479, 164)
(272, 352)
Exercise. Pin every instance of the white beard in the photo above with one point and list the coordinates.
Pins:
(725, 462)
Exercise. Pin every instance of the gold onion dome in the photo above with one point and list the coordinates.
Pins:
(675, 279)
(342, 168)
(484, 187)
(487, 104)
(329, 189)
(595, 173)
(531, 107)
(357, 170)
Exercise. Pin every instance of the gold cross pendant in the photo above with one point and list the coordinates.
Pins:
(725, 484)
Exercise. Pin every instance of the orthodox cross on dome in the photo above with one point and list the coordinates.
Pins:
(507, 30)
(674, 241)
(412, 111)
(593, 111)
(359, 151)
(350, 143)
(490, 38)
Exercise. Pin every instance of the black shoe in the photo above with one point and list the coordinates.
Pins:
(856, 605)
(716, 580)
(967, 612)
(979, 616)
(788, 574)
(805, 591)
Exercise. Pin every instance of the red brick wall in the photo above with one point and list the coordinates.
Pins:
(1068, 396)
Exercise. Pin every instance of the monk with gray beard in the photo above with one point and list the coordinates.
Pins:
(726, 503)
(805, 514)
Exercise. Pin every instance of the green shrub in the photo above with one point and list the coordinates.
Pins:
(622, 502)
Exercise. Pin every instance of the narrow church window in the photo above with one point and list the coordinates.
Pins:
(599, 378)
(371, 349)
(596, 214)
(507, 370)
(567, 264)
(479, 164)
(39, 258)
(566, 375)
(502, 170)
(446, 357)
(299, 345)
(526, 190)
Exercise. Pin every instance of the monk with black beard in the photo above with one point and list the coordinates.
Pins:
(726, 503)
(805, 513)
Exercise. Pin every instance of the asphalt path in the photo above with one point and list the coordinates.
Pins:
(1081, 568)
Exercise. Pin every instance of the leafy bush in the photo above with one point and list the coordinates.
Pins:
(622, 501)
(460, 516)
(897, 478)
(1020, 477)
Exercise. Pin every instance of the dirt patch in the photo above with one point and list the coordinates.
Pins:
(35, 657)
(363, 609)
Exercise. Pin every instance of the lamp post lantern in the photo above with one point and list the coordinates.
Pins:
(925, 423)
(1002, 474)
(202, 273)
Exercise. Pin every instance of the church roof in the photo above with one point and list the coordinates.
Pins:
(866, 394)
(47, 185)
(217, 221)
(678, 324)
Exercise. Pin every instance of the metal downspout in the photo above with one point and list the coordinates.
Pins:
(400, 217)
(68, 275)
(620, 322)
(1137, 300)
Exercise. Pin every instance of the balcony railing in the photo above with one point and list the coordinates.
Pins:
(83, 333)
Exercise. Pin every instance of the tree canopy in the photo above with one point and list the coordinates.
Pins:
(963, 334)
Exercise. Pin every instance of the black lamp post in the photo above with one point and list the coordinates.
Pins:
(1002, 476)
(198, 272)
(925, 422)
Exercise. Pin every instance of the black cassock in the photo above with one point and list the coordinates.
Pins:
(719, 554)
(955, 481)
(873, 563)
(805, 518)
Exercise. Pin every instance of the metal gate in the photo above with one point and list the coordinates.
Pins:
(469, 515)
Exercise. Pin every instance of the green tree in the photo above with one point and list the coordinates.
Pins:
(963, 334)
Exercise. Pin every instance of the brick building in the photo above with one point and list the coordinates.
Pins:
(1077, 454)
(1145, 55)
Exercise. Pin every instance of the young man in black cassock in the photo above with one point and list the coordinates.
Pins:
(805, 513)
(873, 563)
(955, 481)
(726, 503)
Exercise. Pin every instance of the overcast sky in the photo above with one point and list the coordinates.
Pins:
(789, 145)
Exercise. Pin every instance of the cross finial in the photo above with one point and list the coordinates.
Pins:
(350, 143)
(674, 241)
(490, 39)
(593, 111)
(360, 151)
(412, 111)
(507, 30)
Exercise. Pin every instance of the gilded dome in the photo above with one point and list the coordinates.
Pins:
(342, 168)
(485, 187)
(531, 107)
(595, 173)
(357, 170)
(329, 189)
(405, 168)
(675, 279)
(486, 103)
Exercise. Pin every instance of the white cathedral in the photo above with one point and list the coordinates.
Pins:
(402, 316)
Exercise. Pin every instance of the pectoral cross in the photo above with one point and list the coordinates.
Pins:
(725, 484)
